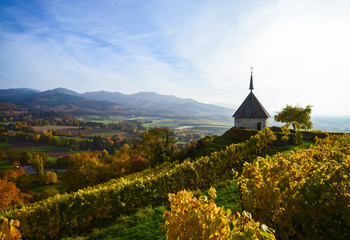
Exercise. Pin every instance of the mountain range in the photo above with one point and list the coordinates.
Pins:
(104, 102)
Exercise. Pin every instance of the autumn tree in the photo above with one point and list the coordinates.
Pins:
(39, 165)
(9, 194)
(295, 115)
(83, 170)
(158, 145)
(87, 169)
(81, 134)
(26, 158)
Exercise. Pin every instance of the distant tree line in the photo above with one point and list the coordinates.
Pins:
(130, 126)
(95, 143)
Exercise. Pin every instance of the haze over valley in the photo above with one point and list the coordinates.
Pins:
(140, 105)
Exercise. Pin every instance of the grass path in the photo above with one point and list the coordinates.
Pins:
(306, 144)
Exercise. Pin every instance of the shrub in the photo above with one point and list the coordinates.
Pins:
(48, 178)
(50, 192)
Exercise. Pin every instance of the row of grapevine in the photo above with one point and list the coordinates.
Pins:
(192, 218)
(304, 194)
(64, 215)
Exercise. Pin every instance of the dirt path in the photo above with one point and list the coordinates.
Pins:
(29, 169)
(58, 154)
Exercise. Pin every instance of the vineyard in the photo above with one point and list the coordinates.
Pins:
(303, 194)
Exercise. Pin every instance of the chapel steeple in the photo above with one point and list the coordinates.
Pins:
(251, 80)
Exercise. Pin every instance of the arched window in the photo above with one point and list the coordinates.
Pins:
(258, 127)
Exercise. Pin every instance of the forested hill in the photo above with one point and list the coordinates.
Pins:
(101, 102)
(59, 102)
(160, 104)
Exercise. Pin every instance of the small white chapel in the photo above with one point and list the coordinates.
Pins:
(251, 114)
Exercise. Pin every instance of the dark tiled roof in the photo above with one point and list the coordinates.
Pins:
(251, 108)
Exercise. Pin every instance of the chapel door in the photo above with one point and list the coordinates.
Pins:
(258, 126)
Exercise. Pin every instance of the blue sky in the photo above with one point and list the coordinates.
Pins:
(203, 50)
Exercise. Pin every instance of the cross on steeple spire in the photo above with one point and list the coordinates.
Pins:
(251, 80)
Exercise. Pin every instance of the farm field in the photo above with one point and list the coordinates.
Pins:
(185, 129)
(198, 127)
(173, 123)
(75, 131)
(102, 119)
(149, 122)
(17, 147)
(54, 127)
(105, 133)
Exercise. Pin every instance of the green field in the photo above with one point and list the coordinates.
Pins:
(198, 127)
(35, 186)
(2, 145)
(45, 149)
(51, 159)
(5, 165)
(109, 134)
(105, 120)
(184, 122)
